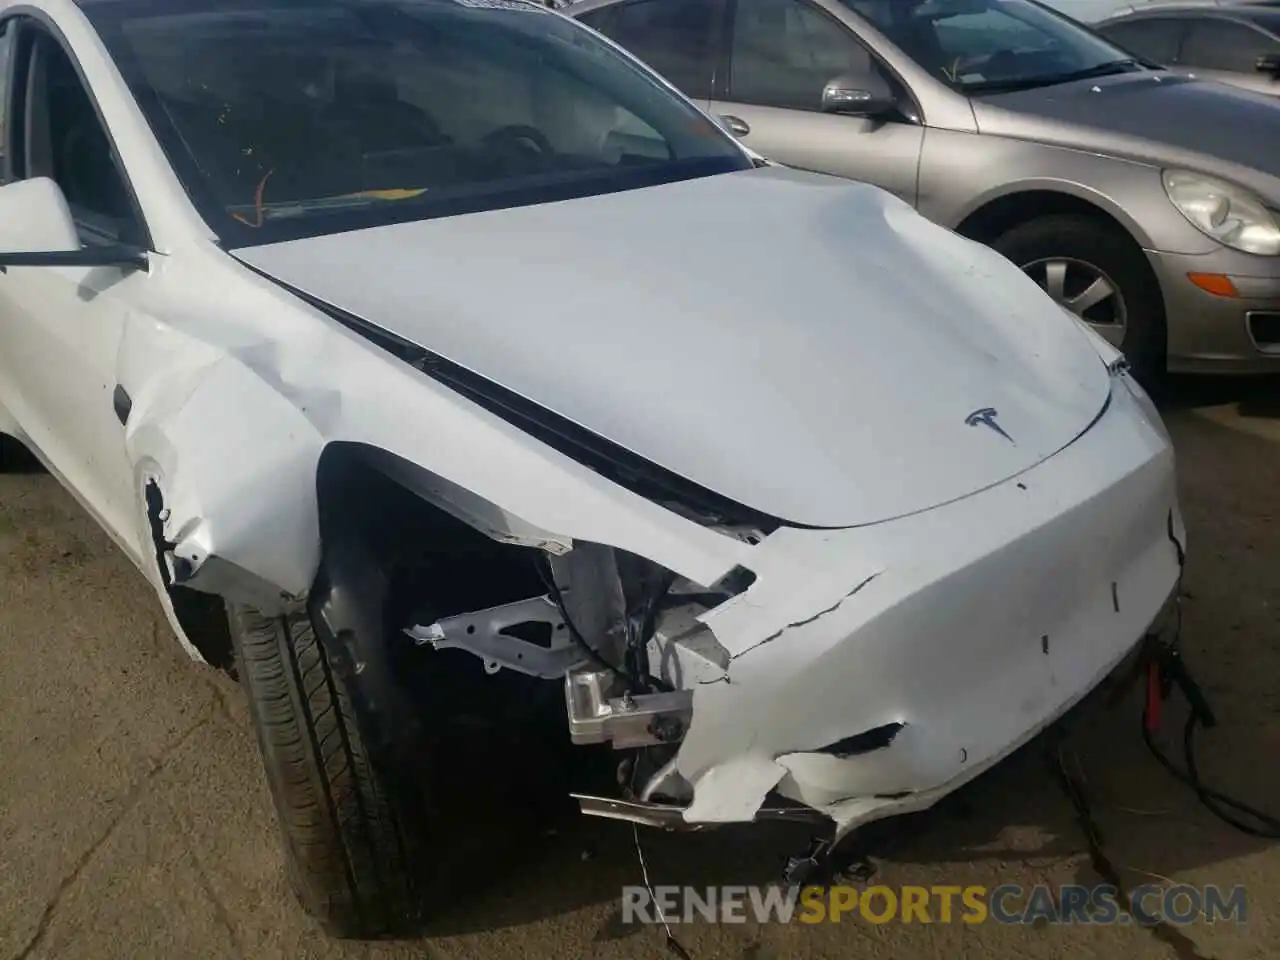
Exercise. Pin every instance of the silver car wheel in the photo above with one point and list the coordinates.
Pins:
(1084, 290)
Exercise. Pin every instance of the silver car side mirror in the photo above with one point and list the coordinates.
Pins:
(867, 95)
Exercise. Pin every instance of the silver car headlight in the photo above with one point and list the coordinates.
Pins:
(1229, 214)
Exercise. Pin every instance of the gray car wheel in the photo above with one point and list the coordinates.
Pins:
(1100, 274)
(1085, 289)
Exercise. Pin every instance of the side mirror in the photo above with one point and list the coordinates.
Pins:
(864, 95)
(1268, 63)
(36, 230)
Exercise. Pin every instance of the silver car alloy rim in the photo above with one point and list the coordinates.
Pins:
(1084, 290)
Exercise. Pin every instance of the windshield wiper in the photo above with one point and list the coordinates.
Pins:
(1110, 68)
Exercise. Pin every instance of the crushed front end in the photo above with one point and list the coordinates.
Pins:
(850, 675)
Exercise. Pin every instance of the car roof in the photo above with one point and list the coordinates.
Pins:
(1192, 9)
(582, 6)
(176, 5)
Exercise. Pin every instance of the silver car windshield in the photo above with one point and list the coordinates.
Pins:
(989, 46)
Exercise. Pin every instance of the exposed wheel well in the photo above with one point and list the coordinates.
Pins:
(429, 556)
(15, 457)
(388, 554)
(391, 557)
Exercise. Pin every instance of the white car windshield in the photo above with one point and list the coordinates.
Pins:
(286, 119)
(990, 46)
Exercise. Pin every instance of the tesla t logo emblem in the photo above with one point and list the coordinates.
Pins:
(986, 417)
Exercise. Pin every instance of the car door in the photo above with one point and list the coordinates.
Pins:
(780, 54)
(1228, 50)
(61, 326)
(677, 38)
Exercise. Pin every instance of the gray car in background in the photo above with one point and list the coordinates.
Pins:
(1142, 199)
(1239, 45)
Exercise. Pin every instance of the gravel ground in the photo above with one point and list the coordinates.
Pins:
(134, 821)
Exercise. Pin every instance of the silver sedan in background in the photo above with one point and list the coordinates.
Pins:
(1142, 199)
(1238, 44)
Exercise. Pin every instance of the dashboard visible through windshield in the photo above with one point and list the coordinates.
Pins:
(286, 119)
(991, 46)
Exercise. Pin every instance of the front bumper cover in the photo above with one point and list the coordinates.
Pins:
(966, 629)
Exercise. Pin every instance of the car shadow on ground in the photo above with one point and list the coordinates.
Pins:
(1254, 397)
(1151, 830)
(527, 866)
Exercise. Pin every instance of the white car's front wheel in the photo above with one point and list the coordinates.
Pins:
(348, 841)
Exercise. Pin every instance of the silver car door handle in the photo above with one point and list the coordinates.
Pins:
(737, 126)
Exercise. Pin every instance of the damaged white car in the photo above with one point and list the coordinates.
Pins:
(418, 325)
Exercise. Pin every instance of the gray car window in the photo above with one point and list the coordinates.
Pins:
(1268, 20)
(1155, 38)
(675, 37)
(66, 142)
(1224, 45)
(6, 47)
(993, 45)
(786, 51)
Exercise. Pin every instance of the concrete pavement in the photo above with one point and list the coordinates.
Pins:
(134, 821)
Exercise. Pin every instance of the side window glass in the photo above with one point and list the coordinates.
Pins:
(1154, 39)
(677, 38)
(1222, 45)
(66, 142)
(6, 49)
(786, 51)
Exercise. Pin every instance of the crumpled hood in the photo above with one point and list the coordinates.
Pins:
(1157, 117)
(806, 346)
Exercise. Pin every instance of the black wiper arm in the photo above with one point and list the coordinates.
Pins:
(1110, 68)
(1107, 69)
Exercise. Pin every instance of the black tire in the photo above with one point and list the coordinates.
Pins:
(348, 843)
(1093, 241)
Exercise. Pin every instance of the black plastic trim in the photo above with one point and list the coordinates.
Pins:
(122, 403)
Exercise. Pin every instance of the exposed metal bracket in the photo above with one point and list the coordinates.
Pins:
(483, 633)
(642, 720)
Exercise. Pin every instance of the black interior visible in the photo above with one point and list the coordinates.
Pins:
(66, 142)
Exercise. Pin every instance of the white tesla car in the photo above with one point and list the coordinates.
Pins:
(443, 332)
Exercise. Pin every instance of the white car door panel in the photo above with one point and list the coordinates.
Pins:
(61, 325)
(61, 335)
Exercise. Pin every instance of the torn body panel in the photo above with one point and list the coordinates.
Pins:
(992, 616)
(231, 425)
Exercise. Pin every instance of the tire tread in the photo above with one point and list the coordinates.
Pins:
(343, 833)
